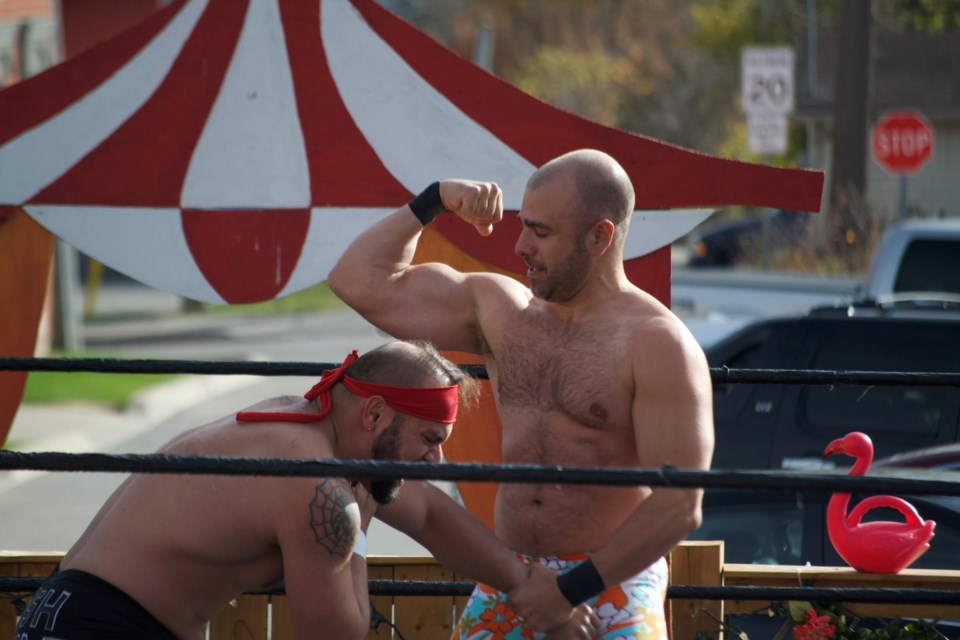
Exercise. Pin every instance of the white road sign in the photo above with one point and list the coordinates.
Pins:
(766, 80)
(767, 134)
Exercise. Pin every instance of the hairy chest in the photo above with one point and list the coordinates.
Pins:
(580, 371)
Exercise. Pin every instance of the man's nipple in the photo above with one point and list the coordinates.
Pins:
(598, 411)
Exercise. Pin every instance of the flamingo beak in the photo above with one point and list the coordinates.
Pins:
(834, 447)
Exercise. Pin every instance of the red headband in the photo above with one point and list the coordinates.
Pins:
(437, 404)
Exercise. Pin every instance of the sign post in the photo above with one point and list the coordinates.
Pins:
(766, 91)
(902, 142)
(766, 85)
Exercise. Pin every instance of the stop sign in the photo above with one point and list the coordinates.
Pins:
(902, 141)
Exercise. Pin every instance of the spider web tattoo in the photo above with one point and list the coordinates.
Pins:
(332, 525)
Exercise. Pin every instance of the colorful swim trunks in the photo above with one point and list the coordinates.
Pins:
(632, 610)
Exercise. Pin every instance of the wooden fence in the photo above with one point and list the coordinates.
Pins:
(432, 617)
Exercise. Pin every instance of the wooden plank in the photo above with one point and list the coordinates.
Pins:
(460, 602)
(245, 618)
(378, 570)
(281, 623)
(23, 565)
(696, 564)
(424, 617)
(846, 577)
(8, 612)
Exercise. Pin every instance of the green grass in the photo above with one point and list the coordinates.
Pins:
(110, 389)
(116, 390)
(317, 297)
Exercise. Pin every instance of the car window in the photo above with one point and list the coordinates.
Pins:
(882, 409)
(754, 533)
(929, 265)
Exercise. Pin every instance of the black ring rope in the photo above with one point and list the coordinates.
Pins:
(471, 472)
(667, 477)
(719, 375)
(384, 587)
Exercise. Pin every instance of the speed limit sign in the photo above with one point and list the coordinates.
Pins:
(766, 80)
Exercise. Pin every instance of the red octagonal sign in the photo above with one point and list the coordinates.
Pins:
(902, 141)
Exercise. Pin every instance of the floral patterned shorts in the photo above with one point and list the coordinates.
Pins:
(630, 610)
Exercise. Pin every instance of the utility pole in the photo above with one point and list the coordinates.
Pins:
(850, 109)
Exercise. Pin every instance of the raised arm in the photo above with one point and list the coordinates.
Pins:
(430, 301)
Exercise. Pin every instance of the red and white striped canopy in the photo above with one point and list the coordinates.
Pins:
(228, 150)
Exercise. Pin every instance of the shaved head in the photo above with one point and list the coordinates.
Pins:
(602, 189)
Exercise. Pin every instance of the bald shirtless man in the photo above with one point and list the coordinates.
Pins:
(167, 552)
(586, 369)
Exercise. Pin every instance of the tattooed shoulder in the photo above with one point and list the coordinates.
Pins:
(333, 525)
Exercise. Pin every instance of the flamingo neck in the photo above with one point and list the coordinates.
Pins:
(862, 463)
(837, 510)
(837, 507)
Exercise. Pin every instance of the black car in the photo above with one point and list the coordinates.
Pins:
(723, 244)
(770, 426)
(944, 457)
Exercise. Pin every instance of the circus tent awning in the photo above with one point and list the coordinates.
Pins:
(228, 150)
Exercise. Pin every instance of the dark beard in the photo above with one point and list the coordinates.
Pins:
(566, 278)
(385, 447)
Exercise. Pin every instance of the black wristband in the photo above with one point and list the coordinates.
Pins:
(580, 583)
(428, 204)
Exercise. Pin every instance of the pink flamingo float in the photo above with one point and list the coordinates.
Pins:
(879, 546)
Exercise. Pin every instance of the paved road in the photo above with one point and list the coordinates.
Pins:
(48, 511)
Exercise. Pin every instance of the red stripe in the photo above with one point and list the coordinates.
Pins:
(344, 169)
(664, 175)
(35, 100)
(145, 161)
(246, 256)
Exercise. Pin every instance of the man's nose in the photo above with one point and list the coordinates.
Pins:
(521, 247)
(434, 454)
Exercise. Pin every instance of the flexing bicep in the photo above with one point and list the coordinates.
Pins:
(326, 585)
(377, 278)
(432, 302)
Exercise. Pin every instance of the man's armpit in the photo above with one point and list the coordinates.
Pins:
(333, 526)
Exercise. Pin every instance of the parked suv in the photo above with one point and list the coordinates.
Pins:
(770, 426)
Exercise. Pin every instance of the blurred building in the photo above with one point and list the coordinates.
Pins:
(909, 70)
(29, 38)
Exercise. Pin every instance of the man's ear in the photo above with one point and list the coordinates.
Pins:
(600, 237)
(375, 414)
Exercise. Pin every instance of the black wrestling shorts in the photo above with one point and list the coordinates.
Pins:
(75, 605)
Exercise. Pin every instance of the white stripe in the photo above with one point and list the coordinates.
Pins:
(418, 133)
(39, 156)
(145, 243)
(653, 229)
(251, 153)
(331, 231)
